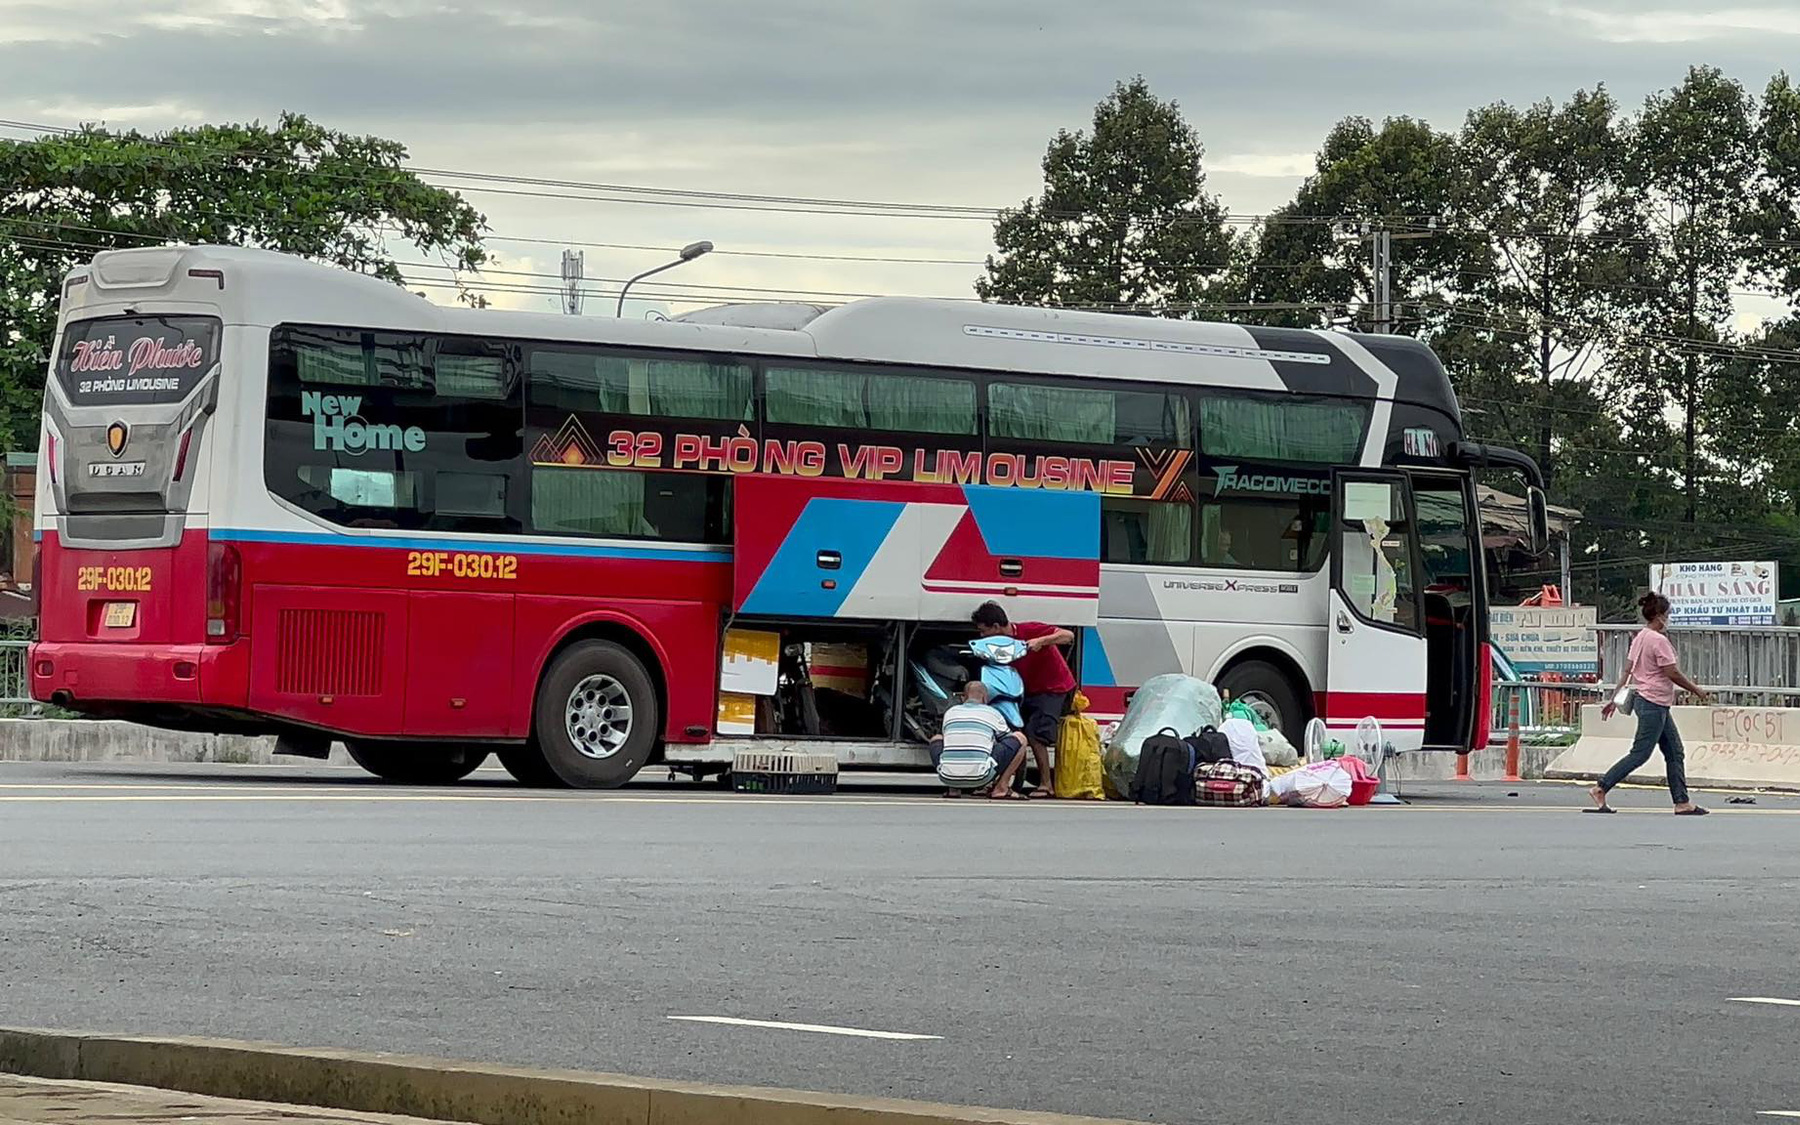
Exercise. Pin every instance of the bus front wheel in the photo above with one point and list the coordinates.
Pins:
(407, 764)
(1267, 690)
(597, 715)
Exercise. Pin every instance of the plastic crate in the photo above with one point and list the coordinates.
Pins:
(788, 774)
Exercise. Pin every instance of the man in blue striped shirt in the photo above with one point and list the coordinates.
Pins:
(973, 728)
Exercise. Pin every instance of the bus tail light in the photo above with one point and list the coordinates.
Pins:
(224, 584)
(187, 436)
(53, 458)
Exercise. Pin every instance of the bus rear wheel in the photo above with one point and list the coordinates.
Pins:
(1269, 692)
(597, 715)
(407, 764)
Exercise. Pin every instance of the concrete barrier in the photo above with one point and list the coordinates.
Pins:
(442, 1090)
(1484, 765)
(101, 740)
(1727, 747)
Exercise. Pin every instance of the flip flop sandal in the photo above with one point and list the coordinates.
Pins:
(1602, 809)
(1695, 811)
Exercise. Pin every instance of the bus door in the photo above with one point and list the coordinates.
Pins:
(1452, 589)
(903, 551)
(1376, 664)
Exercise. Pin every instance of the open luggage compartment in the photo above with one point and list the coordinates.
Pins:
(865, 583)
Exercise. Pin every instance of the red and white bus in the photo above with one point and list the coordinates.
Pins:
(278, 497)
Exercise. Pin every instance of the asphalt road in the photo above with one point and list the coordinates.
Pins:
(1473, 957)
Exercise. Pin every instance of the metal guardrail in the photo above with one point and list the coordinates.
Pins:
(16, 635)
(1551, 710)
(15, 690)
(1716, 654)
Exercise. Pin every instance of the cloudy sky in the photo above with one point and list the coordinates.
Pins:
(927, 101)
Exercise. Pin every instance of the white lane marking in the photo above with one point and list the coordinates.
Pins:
(1780, 1113)
(1765, 1000)
(823, 1029)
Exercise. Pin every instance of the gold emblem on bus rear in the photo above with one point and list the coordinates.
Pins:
(116, 436)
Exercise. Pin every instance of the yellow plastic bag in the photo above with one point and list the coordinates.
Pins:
(1079, 774)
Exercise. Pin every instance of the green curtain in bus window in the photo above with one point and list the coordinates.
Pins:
(332, 362)
(1057, 414)
(919, 405)
(471, 376)
(669, 388)
(682, 388)
(588, 502)
(1268, 430)
(805, 397)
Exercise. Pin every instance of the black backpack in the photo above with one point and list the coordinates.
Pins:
(1210, 746)
(1165, 771)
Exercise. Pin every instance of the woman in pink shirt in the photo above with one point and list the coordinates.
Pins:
(1652, 671)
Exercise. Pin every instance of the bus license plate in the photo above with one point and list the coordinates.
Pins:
(120, 615)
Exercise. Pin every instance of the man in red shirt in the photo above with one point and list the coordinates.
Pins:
(1049, 685)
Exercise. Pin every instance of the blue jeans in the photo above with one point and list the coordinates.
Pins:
(1655, 727)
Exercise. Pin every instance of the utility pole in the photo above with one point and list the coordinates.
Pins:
(1381, 244)
(572, 261)
(1381, 266)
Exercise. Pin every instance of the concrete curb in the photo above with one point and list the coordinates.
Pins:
(107, 740)
(455, 1091)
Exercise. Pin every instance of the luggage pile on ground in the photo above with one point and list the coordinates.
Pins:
(1181, 744)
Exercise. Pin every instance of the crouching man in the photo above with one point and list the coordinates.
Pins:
(1049, 685)
(973, 729)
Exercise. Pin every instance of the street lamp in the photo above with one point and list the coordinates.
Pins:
(688, 253)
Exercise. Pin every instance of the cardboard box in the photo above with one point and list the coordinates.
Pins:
(840, 667)
(737, 713)
(750, 662)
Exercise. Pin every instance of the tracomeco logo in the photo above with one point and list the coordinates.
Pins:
(337, 427)
(1231, 480)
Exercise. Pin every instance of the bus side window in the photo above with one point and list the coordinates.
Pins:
(395, 430)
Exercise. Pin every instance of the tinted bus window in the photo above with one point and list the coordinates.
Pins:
(1088, 416)
(395, 430)
(604, 421)
(597, 380)
(875, 401)
(1150, 532)
(1287, 533)
(136, 361)
(622, 503)
(1298, 430)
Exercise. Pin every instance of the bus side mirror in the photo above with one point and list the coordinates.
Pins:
(1539, 516)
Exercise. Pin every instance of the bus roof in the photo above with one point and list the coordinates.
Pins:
(263, 287)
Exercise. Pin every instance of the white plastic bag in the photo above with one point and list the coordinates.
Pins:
(1246, 748)
(1182, 703)
(1317, 785)
(1277, 750)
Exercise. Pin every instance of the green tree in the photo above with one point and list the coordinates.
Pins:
(1775, 224)
(1124, 221)
(1313, 254)
(296, 187)
(1687, 192)
(1536, 181)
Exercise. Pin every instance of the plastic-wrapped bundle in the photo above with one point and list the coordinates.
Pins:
(1180, 702)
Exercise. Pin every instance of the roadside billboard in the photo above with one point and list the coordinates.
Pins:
(1546, 639)
(1717, 593)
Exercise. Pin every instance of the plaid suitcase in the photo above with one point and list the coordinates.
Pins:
(1230, 784)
